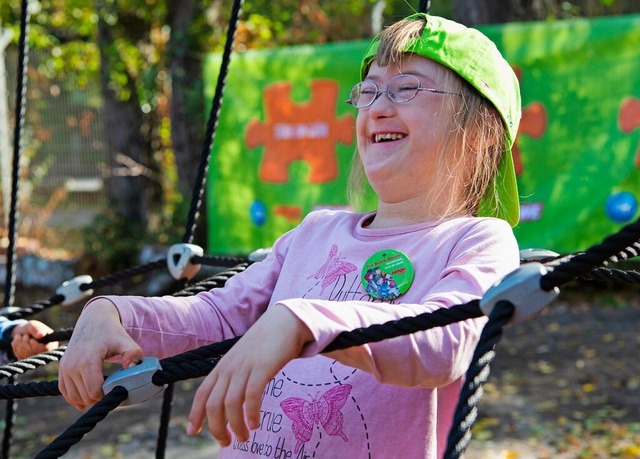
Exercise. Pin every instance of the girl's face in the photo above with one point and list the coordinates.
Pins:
(398, 142)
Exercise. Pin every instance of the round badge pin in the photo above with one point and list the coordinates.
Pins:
(387, 274)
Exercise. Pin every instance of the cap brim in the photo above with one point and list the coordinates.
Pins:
(506, 186)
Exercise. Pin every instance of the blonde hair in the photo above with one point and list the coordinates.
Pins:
(468, 160)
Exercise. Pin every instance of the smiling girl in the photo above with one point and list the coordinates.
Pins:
(438, 111)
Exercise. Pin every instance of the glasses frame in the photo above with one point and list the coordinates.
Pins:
(390, 96)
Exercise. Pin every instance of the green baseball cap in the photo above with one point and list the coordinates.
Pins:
(475, 58)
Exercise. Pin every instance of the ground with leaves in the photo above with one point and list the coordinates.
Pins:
(564, 384)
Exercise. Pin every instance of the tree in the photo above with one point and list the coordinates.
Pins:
(474, 12)
(148, 54)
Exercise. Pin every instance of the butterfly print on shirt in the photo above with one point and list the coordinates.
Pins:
(323, 410)
(333, 268)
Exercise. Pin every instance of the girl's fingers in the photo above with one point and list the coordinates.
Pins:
(233, 403)
(216, 416)
(254, 391)
(195, 420)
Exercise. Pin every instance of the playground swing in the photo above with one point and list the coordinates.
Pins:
(517, 297)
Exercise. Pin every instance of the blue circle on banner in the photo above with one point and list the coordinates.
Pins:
(258, 212)
(621, 207)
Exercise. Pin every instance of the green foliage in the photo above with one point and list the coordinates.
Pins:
(138, 61)
(114, 240)
(117, 241)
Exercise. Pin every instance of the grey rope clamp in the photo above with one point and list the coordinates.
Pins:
(259, 254)
(71, 289)
(137, 381)
(179, 260)
(527, 255)
(521, 288)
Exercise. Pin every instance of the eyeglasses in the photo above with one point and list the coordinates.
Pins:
(401, 88)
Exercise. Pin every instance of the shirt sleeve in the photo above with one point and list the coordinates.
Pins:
(168, 325)
(431, 358)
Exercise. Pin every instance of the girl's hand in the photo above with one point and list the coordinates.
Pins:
(233, 390)
(24, 339)
(97, 336)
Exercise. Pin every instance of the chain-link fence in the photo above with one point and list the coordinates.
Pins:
(61, 187)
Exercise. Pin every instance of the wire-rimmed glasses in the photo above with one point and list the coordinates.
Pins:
(400, 88)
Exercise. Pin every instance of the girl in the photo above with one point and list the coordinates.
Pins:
(438, 111)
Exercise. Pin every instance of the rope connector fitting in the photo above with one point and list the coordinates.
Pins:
(527, 255)
(259, 254)
(71, 289)
(137, 381)
(179, 260)
(521, 288)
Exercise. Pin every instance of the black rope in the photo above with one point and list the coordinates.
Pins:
(21, 93)
(126, 274)
(9, 419)
(11, 257)
(199, 362)
(216, 281)
(477, 374)
(407, 325)
(613, 275)
(21, 313)
(106, 281)
(198, 189)
(165, 417)
(84, 424)
(425, 6)
(58, 335)
(35, 361)
(612, 247)
(29, 390)
(224, 262)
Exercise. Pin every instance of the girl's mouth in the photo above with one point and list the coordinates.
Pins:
(387, 137)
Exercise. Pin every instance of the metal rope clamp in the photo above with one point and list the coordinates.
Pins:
(259, 254)
(179, 260)
(521, 288)
(137, 381)
(71, 289)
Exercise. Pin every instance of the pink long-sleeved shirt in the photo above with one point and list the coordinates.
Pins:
(395, 398)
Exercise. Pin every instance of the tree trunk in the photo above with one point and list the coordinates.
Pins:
(186, 107)
(123, 127)
(476, 12)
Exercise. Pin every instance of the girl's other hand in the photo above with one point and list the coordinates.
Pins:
(233, 390)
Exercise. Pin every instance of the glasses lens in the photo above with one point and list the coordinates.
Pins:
(403, 88)
(363, 94)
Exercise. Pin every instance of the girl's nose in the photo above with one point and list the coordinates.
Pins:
(382, 106)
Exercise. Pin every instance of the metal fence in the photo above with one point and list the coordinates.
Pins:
(64, 153)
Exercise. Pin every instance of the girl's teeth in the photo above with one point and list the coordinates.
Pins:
(388, 136)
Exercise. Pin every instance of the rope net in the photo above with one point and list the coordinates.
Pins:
(592, 264)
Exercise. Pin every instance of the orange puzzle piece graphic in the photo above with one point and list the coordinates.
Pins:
(533, 123)
(294, 132)
(629, 119)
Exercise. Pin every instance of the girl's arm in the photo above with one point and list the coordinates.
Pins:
(431, 358)
(125, 328)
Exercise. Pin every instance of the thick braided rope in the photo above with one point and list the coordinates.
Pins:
(84, 424)
(20, 108)
(36, 361)
(598, 255)
(11, 258)
(212, 124)
(477, 374)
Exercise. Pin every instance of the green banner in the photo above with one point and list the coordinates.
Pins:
(285, 136)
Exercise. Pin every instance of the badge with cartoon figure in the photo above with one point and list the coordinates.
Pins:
(387, 274)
